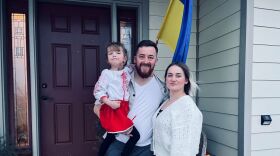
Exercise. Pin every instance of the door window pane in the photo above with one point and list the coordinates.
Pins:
(20, 83)
(126, 37)
(127, 29)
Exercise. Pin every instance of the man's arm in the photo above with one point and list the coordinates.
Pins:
(96, 110)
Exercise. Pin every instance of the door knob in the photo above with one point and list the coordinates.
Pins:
(44, 98)
(44, 85)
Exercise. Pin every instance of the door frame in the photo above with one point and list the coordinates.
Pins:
(143, 33)
(3, 71)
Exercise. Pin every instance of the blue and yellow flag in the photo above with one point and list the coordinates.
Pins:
(175, 30)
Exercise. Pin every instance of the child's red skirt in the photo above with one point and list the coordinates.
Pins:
(115, 120)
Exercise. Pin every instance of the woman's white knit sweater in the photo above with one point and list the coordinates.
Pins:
(177, 129)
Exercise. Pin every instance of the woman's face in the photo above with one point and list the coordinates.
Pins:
(175, 79)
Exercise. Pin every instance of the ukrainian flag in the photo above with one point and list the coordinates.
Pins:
(175, 30)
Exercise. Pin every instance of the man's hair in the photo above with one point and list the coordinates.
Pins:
(146, 43)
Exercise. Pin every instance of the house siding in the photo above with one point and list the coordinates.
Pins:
(266, 78)
(218, 73)
(157, 10)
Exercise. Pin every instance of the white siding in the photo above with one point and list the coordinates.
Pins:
(265, 105)
(258, 128)
(157, 10)
(273, 152)
(266, 78)
(218, 73)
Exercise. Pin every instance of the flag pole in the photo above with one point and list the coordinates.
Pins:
(157, 41)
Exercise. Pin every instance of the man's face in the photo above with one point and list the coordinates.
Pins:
(145, 61)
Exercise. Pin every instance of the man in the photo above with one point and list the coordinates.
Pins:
(147, 92)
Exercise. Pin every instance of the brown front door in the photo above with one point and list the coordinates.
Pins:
(71, 54)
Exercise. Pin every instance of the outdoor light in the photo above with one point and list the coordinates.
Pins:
(265, 119)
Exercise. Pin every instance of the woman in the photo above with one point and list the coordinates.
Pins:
(177, 123)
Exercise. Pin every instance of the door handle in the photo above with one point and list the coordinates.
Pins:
(44, 98)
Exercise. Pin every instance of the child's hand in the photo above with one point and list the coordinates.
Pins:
(128, 132)
(114, 104)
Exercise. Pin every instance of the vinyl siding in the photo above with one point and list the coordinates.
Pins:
(266, 78)
(218, 73)
(157, 10)
(222, 149)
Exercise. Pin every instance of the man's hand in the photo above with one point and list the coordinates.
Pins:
(96, 110)
(113, 104)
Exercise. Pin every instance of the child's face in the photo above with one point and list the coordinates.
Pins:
(116, 57)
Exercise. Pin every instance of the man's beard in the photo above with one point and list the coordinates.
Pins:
(146, 74)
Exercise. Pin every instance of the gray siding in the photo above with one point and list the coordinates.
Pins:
(218, 73)
(266, 78)
(156, 15)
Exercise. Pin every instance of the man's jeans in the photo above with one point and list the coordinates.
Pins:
(116, 148)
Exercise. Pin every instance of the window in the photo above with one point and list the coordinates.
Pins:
(19, 96)
(127, 29)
